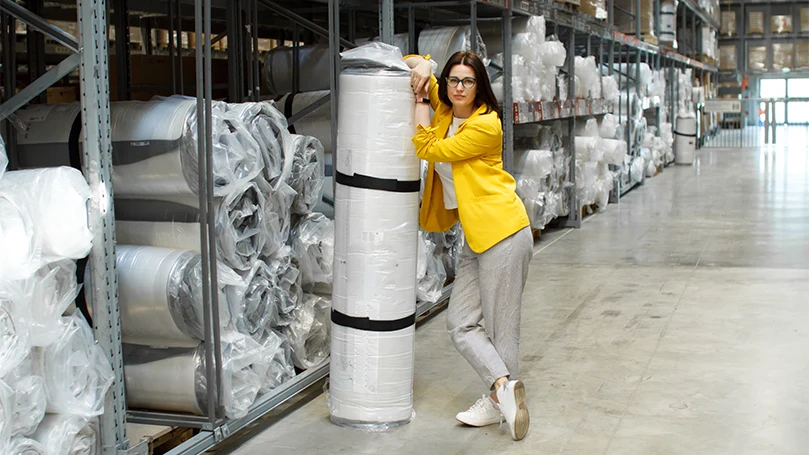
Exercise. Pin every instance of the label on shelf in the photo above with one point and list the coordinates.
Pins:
(723, 106)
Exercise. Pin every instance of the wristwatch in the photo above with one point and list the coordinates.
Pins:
(423, 100)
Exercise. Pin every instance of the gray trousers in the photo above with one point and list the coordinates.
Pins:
(488, 290)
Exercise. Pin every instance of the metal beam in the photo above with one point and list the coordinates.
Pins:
(386, 21)
(40, 85)
(303, 22)
(40, 24)
(122, 54)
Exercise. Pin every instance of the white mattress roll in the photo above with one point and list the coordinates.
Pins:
(308, 334)
(277, 366)
(375, 253)
(287, 289)
(56, 200)
(173, 222)
(15, 325)
(155, 148)
(76, 370)
(442, 42)
(54, 288)
(160, 295)
(29, 398)
(22, 253)
(584, 147)
(60, 434)
(308, 172)
(21, 445)
(258, 306)
(614, 151)
(3, 158)
(317, 124)
(313, 242)
(277, 216)
(269, 128)
(536, 164)
(6, 413)
(175, 379)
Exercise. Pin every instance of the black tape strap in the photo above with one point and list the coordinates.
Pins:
(370, 325)
(288, 110)
(685, 135)
(373, 183)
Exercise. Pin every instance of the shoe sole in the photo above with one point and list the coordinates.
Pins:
(478, 425)
(522, 419)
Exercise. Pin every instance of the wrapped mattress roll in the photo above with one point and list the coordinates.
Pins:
(313, 242)
(21, 445)
(308, 172)
(68, 435)
(6, 413)
(160, 295)
(175, 379)
(317, 124)
(15, 325)
(29, 398)
(155, 148)
(3, 158)
(269, 128)
(589, 148)
(278, 366)
(314, 63)
(43, 218)
(308, 334)
(54, 288)
(277, 215)
(430, 274)
(287, 289)
(442, 42)
(76, 370)
(258, 306)
(614, 151)
(376, 235)
(173, 222)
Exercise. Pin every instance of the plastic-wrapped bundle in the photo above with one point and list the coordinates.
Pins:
(636, 169)
(589, 148)
(603, 185)
(609, 127)
(175, 379)
(76, 371)
(288, 292)
(3, 158)
(450, 243)
(780, 24)
(609, 88)
(253, 308)
(728, 25)
(430, 273)
(308, 173)
(60, 434)
(53, 289)
(277, 362)
(727, 57)
(308, 334)
(173, 222)
(313, 242)
(43, 218)
(442, 42)
(614, 151)
(269, 128)
(29, 399)
(15, 325)
(277, 216)
(782, 55)
(650, 167)
(160, 295)
(588, 84)
(375, 257)
(553, 53)
(586, 172)
(24, 446)
(6, 414)
(757, 57)
(155, 148)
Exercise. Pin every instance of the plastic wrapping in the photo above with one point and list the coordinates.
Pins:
(53, 289)
(313, 63)
(728, 25)
(609, 88)
(277, 363)
(288, 292)
(24, 446)
(804, 20)
(277, 216)
(29, 399)
(440, 43)
(637, 169)
(155, 148)
(609, 126)
(375, 257)
(3, 158)
(614, 151)
(308, 173)
(309, 332)
(15, 325)
(802, 53)
(60, 434)
(269, 128)
(727, 57)
(254, 307)
(6, 414)
(43, 218)
(780, 24)
(430, 273)
(588, 84)
(76, 371)
(755, 22)
(175, 379)
(313, 242)
(782, 56)
(160, 295)
(173, 222)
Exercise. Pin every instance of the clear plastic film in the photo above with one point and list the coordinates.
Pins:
(54, 288)
(160, 295)
(173, 222)
(277, 216)
(308, 173)
(15, 324)
(805, 20)
(269, 128)
(755, 22)
(757, 57)
(609, 126)
(68, 435)
(527, 66)
(43, 218)
(727, 57)
(309, 332)
(440, 43)
(780, 24)
(21, 445)
(6, 414)
(3, 158)
(782, 56)
(29, 399)
(430, 274)
(588, 84)
(175, 379)
(637, 169)
(155, 148)
(276, 367)
(802, 53)
(312, 240)
(449, 244)
(288, 291)
(609, 88)
(728, 25)
(76, 371)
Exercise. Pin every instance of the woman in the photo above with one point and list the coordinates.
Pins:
(466, 181)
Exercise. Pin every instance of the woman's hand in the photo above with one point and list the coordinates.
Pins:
(420, 78)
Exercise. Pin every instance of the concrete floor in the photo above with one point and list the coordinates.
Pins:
(676, 322)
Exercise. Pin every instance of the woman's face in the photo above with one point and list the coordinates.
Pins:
(461, 96)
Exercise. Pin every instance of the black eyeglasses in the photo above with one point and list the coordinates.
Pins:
(468, 82)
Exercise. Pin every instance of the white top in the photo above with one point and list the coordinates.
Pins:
(445, 171)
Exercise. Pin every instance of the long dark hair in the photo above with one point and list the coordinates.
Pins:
(484, 94)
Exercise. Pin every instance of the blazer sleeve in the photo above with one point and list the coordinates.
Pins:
(432, 91)
(476, 138)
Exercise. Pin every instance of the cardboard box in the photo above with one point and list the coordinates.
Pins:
(802, 55)
(781, 24)
(757, 57)
(782, 56)
(626, 23)
(755, 22)
(594, 8)
(62, 95)
(728, 26)
(804, 20)
(727, 57)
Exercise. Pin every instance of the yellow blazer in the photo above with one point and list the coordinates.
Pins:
(488, 206)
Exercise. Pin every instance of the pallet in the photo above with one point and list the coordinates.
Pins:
(651, 39)
(588, 209)
(161, 439)
(572, 5)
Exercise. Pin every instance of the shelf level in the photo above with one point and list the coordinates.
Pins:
(540, 111)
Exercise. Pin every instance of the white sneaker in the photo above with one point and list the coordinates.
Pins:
(483, 412)
(511, 396)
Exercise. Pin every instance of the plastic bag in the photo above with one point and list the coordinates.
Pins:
(277, 215)
(3, 158)
(258, 306)
(29, 398)
(15, 325)
(309, 332)
(308, 173)
(430, 272)
(54, 289)
(278, 366)
(374, 56)
(6, 414)
(289, 293)
(76, 370)
(67, 435)
(313, 242)
(269, 128)
(24, 446)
